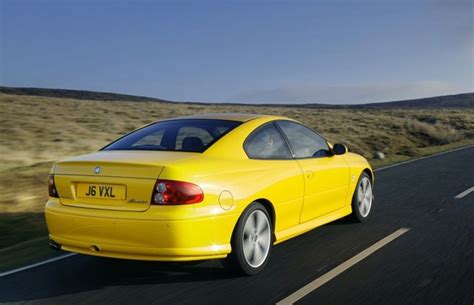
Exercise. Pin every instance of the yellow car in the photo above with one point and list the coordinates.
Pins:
(203, 187)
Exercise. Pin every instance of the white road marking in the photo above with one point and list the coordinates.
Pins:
(37, 264)
(422, 158)
(307, 289)
(378, 169)
(465, 193)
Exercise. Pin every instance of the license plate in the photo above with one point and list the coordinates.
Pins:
(101, 191)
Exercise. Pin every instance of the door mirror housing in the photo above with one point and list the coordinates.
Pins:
(339, 149)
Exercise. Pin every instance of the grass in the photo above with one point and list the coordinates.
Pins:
(38, 130)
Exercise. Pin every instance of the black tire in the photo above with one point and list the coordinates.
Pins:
(358, 215)
(236, 260)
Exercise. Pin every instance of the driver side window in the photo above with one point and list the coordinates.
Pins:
(304, 142)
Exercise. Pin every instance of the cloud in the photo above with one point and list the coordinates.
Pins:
(355, 94)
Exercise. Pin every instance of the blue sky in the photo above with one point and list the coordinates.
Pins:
(241, 51)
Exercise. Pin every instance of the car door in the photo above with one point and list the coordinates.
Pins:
(277, 175)
(326, 176)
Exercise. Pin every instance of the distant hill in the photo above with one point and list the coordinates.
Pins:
(463, 100)
(77, 94)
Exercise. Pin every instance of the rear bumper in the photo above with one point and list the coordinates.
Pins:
(110, 234)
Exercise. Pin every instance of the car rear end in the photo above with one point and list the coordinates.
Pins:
(117, 203)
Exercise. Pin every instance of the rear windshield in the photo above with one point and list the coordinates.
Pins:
(176, 135)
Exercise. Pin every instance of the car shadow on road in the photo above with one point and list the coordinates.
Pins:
(88, 279)
(84, 274)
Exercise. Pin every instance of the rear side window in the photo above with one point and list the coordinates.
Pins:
(151, 139)
(175, 135)
(266, 142)
(304, 142)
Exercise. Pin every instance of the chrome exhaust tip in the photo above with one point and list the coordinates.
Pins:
(54, 245)
(94, 248)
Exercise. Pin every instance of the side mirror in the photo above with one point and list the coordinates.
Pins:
(339, 149)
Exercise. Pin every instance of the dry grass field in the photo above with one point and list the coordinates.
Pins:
(35, 131)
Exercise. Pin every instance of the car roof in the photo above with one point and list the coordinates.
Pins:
(240, 117)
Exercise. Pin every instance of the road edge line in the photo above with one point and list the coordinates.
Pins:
(37, 264)
(19, 245)
(422, 158)
(328, 276)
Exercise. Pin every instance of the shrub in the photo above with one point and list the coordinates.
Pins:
(432, 134)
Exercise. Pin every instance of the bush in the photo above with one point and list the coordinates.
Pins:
(432, 134)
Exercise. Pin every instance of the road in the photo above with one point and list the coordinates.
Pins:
(432, 263)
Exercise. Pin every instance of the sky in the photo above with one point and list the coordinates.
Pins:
(331, 51)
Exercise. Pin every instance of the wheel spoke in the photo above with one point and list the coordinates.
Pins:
(247, 230)
(364, 207)
(264, 239)
(262, 224)
(248, 249)
(360, 194)
(257, 254)
(250, 224)
(255, 221)
(264, 231)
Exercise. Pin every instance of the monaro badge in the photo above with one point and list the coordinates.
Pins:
(97, 170)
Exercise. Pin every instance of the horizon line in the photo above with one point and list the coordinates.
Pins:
(230, 103)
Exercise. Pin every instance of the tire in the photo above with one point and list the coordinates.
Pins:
(251, 241)
(363, 199)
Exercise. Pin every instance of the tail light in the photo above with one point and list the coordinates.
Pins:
(170, 192)
(52, 188)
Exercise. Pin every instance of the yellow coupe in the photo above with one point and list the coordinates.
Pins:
(202, 187)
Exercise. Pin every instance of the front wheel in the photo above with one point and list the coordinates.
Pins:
(362, 199)
(251, 241)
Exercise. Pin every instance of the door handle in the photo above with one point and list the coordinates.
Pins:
(309, 174)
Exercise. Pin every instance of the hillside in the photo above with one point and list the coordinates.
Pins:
(77, 94)
(463, 100)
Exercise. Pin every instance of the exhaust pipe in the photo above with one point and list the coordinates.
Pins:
(95, 248)
(54, 245)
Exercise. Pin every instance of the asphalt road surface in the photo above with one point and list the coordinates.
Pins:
(432, 263)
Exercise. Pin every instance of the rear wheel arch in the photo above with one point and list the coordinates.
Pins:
(267, 204)
(237, 260)
(271, 212)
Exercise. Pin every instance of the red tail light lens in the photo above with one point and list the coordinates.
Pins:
(52, 187)
(176, 192)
